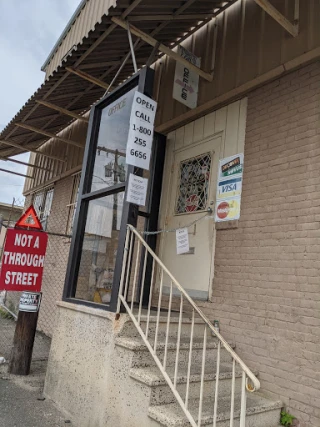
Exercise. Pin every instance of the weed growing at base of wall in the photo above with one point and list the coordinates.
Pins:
(286, 419)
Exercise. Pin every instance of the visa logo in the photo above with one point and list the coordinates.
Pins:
(229, 187)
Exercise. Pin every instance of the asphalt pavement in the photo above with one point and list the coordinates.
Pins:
(22, 405)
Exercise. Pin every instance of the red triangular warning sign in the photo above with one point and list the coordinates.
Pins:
(29, 220)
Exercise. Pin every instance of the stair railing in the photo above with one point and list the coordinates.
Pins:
(133, 280)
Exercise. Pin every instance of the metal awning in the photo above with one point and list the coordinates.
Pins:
(90, 66)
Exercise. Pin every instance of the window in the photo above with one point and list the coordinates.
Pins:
(101, 204)
(73, 202)
(42, 202)
(193, 184)
(99, 231)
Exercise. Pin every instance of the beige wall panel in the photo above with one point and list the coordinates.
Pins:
(232, 128)
(242, 124)
(166, 89)
(209, 124)
(249, 44)
(198, 130)
(188, 134)
(77, 131)
(271, 44)
(314, 33)
(248, 57)
(230, 55)
(179, 138)
(221, 119)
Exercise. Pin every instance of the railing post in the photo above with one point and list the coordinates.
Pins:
(157, 265)
(124, 263)
(243, 409)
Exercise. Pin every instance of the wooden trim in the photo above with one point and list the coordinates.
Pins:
(219, 101)
(164, 49)
(214, 104)
(88, 77)
(49, 134)
(16, 173)
(24, 148)
(292, 29)
(62, 110)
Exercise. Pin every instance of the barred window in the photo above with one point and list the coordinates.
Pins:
(42, 202)
(193, 184)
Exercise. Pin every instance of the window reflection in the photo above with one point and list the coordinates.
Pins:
(99, 249)
(110, 167)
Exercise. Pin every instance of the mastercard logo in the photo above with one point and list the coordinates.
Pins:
(228, 210)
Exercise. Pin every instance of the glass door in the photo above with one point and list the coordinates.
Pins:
(96, 253)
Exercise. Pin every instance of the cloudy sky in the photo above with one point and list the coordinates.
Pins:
(28, 31)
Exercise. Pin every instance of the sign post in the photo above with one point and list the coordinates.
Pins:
(21, 270)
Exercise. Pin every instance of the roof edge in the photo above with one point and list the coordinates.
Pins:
(64, 33)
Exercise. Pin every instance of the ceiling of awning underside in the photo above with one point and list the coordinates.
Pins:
(76, 94)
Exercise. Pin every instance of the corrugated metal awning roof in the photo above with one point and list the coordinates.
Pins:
(100, 54)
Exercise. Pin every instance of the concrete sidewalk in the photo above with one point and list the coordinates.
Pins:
(19, 401)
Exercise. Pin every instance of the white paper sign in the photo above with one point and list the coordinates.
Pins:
(141, 130)
(137, 190)
(182, 238)
(186, 82)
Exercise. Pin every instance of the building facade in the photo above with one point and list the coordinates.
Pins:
(258, 275)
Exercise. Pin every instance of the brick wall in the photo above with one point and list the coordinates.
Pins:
(266, 291)
(57, 255)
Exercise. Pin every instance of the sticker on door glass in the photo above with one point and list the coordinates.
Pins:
(193, 184)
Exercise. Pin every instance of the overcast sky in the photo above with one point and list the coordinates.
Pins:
(28, 31)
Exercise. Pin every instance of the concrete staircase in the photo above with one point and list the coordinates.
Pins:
(160, 403)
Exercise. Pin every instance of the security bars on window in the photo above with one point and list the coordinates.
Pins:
(194, 184)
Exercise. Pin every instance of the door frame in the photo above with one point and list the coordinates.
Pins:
(165, 213)
(143, 80)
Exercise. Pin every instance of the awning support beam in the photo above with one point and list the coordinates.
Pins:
(88, 77)
(49, 134)
(30, 150)
(16, 173)
(133, 55)
(125, 59)
(62, 110)
(19, 162)
(164, 49)
(292, 29)
(141, 18)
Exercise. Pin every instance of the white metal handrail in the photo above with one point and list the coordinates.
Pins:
(249, 381)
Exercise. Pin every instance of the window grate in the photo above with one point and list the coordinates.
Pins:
(194, 184)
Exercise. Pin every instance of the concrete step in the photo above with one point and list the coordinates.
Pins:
(162, 394)
(130, 330)
(261, 412)
(143, 357)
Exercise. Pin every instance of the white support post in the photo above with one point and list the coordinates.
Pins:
(132, 48)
